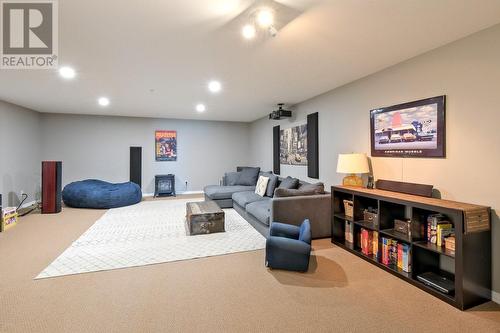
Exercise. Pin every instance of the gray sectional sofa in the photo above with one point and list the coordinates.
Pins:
(280, 204)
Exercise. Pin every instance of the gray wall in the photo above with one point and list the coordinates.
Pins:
(20, 166)
(98, 147)
(468, 72)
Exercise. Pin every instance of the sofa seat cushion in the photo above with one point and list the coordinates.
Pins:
(216, 192)
(261, 210)
(244, 198)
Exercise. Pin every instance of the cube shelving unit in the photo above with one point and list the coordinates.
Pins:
(469, 266)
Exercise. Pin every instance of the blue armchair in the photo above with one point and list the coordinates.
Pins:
(288, 246)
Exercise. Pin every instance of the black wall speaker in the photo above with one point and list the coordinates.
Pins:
(136, 165)
(276, 150)
(312, 146)
(51, 187)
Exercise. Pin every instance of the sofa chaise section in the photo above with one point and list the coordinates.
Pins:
(222, 195)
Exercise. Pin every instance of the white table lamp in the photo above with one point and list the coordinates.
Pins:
(353, 164)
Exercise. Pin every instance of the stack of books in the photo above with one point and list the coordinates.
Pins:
(8, 218)
(396, 253)
(438, 228)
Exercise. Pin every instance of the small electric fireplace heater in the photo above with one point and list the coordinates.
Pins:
(164, 185)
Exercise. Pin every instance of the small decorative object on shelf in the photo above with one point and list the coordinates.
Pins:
(371, 215)
(370, 184)
(348, 206)
(9, 218)
(403, 226)
(449, 243)
(353, 164)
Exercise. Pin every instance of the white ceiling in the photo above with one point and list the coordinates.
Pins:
(123, 49)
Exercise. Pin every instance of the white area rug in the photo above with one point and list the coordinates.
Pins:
(150, 232)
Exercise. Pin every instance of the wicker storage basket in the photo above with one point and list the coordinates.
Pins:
(349, 208)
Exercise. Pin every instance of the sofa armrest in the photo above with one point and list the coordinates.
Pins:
(287, 245)
(294, 210)
(284, 230)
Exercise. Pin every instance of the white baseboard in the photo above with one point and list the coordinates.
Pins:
(495, 297)
(178, 193)
(191, 192)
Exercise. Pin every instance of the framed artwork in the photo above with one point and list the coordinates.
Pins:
(166, 145)
(415, 129)
(293, 145)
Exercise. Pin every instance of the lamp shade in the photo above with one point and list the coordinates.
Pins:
(353, 163)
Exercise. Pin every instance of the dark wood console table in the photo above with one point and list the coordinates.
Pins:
(469, 266)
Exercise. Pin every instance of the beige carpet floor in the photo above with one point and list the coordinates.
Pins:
(231, 293)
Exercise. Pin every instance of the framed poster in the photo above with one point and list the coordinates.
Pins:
(166, 145)
(415, 129)
(293, 145)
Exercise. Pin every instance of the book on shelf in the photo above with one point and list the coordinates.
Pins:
(406, 261)
(385, 250)
(349, 231)
(400, 256)
(394, 252)
(366, 241)
(443, 230)
(375, 244)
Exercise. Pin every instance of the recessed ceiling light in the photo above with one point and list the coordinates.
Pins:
(67, 72)
(200, 107)
(103, 101)
(214, 86)
(265, 18)
(248, 31)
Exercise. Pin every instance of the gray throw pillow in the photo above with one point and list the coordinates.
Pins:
(248, 176)
(271, 184)
(318, 188)
(289, 183)
(286, 192)
(232, 178)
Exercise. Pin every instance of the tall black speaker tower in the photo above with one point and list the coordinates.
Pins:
(136, 165)
(276, 150)
(312, 146)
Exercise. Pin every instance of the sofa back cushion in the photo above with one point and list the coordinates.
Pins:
(261, 187)
(248, 176)
(232, 178)
(289, 183)
(291, 192)
(271, 184)
(318, 188)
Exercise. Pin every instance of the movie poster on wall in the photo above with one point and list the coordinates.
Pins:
(415, 129)
(293, 145)
(166, 145)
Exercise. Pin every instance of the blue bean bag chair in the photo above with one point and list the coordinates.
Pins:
(93, 193)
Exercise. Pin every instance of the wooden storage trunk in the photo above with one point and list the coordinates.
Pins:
(204, 217)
